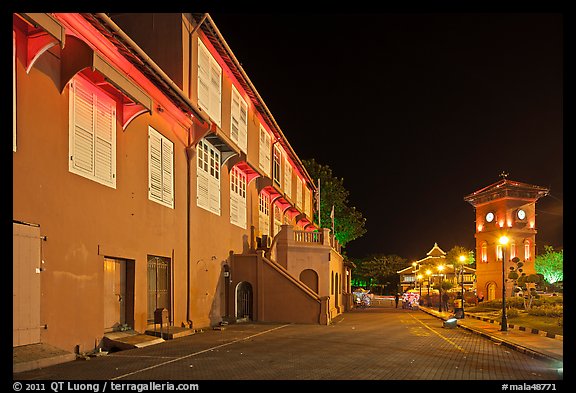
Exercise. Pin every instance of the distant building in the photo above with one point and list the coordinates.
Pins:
(505, 207)
(426, 272)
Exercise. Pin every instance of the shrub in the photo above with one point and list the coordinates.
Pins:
(511, 313)
(548, 300)
(547, 310)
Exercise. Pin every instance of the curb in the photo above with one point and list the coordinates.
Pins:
(522, 328)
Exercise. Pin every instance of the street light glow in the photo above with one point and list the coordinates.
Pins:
(503, 240)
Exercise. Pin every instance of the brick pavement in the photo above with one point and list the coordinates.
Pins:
(371, 344)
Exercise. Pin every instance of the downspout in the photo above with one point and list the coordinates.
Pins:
(189, 157)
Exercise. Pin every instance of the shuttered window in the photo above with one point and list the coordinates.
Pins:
(288, 178)
(264, 213)
(264, 153)
(239, 122)
(209, 84)
(277, 219)
(92, 139)
(299, 192)
(308, 202)
(160, 168)
(238, 197)
(208, 177)
(276, 174)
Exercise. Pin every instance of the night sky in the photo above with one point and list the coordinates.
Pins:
(415, 111)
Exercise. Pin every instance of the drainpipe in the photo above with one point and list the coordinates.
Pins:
(189, 155)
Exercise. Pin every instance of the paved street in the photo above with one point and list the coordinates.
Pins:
(370, 344)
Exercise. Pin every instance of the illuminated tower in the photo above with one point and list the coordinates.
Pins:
(508, 208)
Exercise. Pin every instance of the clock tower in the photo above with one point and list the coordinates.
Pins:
(505, 208)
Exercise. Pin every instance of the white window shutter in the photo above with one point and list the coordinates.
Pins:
(82, 137)
(242, 212)
(299, 193)
(154, 166)
(168, 172)
(160, 168)
(214, 190)
(243, 137)
(235, 117)
(202, 190)
(104, 160)
(208, 177)
(234, 207)
(92, 133)
(203, 77)
(216, 92)
(264, 154)
(288, 178)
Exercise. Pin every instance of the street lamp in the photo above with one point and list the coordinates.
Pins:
(440, 268)
(462, 260)
(504, 324)
(428, 273)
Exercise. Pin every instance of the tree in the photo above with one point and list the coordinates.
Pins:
(348, 222)
(550, 265)
(379, 271)
(524, 283)
(453, 256)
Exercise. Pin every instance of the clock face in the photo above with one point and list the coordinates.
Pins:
(521, 214)
(490, 217)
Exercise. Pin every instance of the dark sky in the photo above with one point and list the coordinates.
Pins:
(415, 111)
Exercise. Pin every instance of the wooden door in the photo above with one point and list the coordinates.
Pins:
(26, 264)
(114, 294)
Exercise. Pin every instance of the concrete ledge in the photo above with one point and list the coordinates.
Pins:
(35, 356)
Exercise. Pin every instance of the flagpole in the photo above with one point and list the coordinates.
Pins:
(332, 217)
(318, 204)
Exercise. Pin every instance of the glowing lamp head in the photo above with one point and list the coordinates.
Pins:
(462, 258)
(428, 272)
(503, 240)
(440, 268)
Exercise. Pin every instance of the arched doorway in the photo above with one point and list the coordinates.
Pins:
(244, 300)
(309, 278)
(491, 290)
(336, 290)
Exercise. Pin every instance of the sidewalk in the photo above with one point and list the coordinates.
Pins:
(518, 338)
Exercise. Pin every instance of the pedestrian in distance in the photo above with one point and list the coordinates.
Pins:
(445, 299)
(397, 299)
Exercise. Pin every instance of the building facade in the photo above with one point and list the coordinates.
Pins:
(143, 159)
(424, 273)
(504, 208)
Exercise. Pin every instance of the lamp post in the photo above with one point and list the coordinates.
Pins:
(440, 268)
(462, 260)
(428, 273)
(504, 324)
(420, 284)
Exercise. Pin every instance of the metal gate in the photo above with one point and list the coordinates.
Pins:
(158, 285)
(244, 300)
